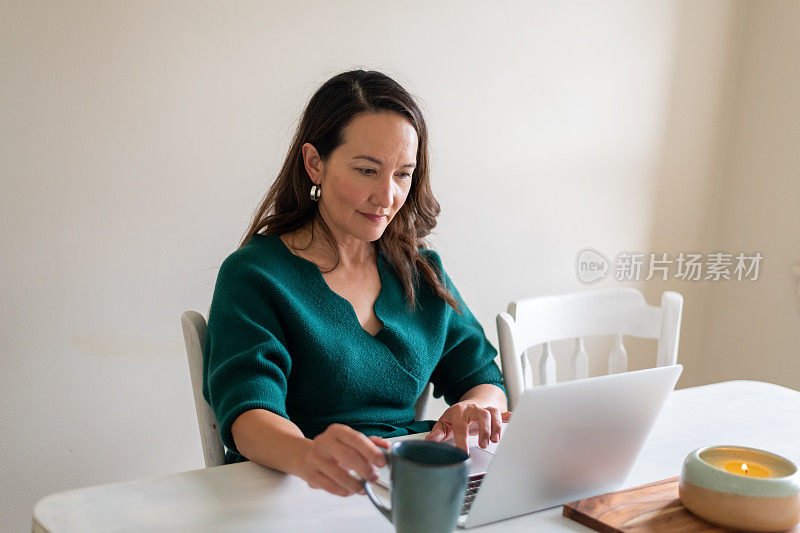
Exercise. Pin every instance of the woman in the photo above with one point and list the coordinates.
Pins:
(332, 316)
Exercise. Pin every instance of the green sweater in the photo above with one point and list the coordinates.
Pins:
(280, 339)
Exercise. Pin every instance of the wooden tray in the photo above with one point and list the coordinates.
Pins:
(646, 508)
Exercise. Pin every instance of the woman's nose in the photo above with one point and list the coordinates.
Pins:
(383, 195)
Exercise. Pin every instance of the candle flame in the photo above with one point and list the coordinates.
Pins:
(744, 467)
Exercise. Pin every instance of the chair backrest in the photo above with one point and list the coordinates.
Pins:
(194, 335)
(422, 403)
(542, 320)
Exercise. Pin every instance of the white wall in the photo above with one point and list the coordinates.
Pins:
(137, 140)
(753, 329)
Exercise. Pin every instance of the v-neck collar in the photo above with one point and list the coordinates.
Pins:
(326, 289)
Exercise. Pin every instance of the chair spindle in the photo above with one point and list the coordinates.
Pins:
(547, 365)
(580, 360)
(618, 357)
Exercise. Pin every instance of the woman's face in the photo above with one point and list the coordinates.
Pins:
(365, 180)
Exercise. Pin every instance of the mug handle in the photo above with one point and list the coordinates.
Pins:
(386, 511)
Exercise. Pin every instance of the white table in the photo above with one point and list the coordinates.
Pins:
(248, 497)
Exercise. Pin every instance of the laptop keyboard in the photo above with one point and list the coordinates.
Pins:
(472, 490)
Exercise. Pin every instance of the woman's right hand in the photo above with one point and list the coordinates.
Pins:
(337, 450)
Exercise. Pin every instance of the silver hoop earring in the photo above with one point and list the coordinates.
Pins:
(316, 192)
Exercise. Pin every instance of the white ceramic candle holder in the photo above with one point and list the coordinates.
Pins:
(741, 488)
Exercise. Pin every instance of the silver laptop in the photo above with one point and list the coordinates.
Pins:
(564, 442)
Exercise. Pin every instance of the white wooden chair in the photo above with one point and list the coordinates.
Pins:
(542, 320)
(194, 335)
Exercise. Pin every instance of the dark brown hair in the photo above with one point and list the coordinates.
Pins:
(287, 205)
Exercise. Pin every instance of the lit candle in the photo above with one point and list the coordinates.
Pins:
(747, 469)
(741, 488)
(745, 461)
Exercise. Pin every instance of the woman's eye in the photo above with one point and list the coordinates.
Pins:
(371, 171)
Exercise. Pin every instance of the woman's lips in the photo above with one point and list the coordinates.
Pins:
(372, 218)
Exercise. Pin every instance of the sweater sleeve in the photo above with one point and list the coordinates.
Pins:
(246, 363)
(468, 357)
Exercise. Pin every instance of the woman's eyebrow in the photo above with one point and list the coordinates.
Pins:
(378, 161)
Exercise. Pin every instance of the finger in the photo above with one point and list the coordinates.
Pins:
(322, 481)
(496, 424)
(483, 419)
(331, 450)
(339, 474)
(437, 432)
(506, 416)
(448, 432)
(349, 458)
(460, 431)
(383, 443)
(360, 443)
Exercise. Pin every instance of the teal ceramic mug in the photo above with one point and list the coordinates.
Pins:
(428, 484)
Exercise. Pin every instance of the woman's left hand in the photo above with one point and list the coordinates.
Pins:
(467, 418)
